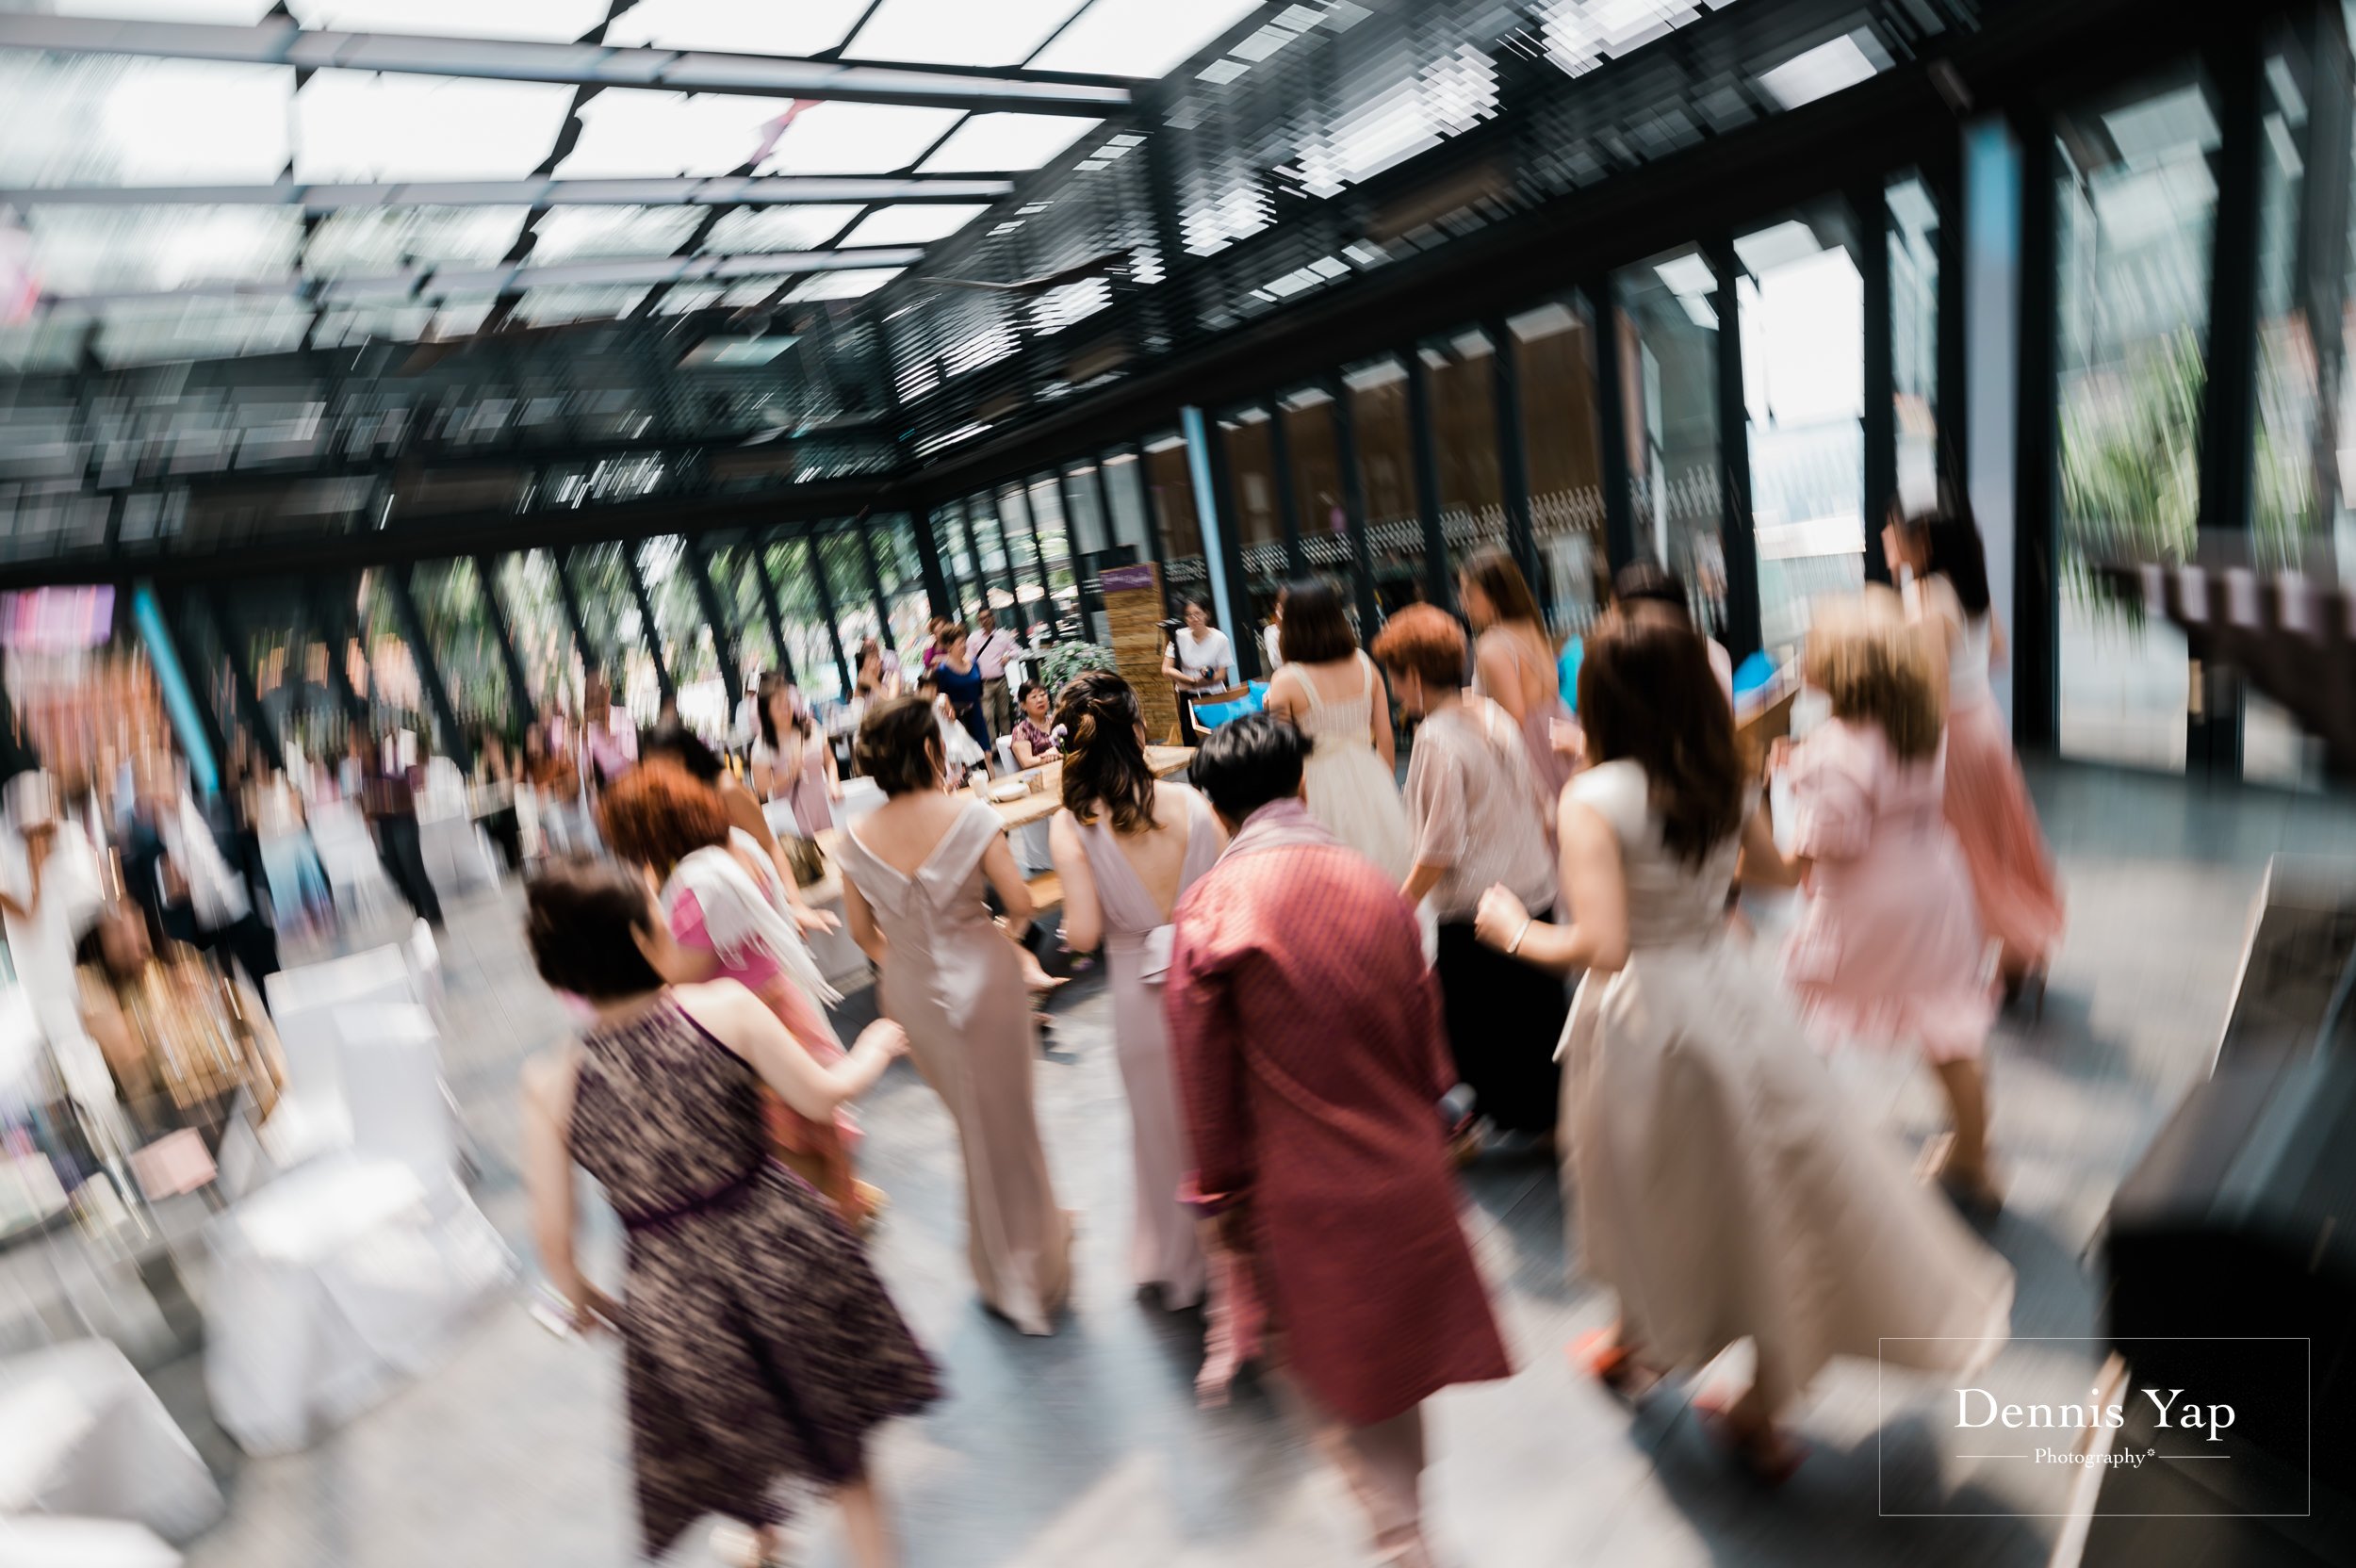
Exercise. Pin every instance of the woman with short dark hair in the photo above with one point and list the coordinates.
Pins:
(1331, 692)
(760, 1346)
(1034, 742)
(916, 874)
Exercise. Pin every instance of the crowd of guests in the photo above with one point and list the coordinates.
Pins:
(1325, 992)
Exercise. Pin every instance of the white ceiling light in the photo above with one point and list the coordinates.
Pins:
(355, 126)
(912, 224)
(1820, 72)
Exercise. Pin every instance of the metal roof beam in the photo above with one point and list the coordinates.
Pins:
(430, 282)
(280, 41)
(723, 190)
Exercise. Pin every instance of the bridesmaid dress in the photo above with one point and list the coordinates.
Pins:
(1165, 1250)
(954, 983)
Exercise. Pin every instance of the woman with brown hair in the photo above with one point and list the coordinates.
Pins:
(916, 874)
(759, 1347)
(1723, 1185)
(1889, 949)
(1330, 691)
(1127, 846)
(725, 907)
(1514, 658)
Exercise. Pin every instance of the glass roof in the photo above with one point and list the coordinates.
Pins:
(98, 122)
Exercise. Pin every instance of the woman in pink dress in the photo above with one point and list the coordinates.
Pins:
(1514, 661)
(1987, 800)
(1889, 948)
(792, 762)
(722, 901)
(1126, 846)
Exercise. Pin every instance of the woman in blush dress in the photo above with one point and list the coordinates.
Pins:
(1987, 800)
(1127, 846)
(759, 1350)
(1331, 692)
(1514, 659)
(792, 762)
(725, 910)
(915, 872)
(1889, 948)
(1723, 1186)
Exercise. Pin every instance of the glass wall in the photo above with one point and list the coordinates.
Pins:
(1046, 499)
(1668, 328)
(535, 603)
(289, 657)
(854, 595)
(1126, 505)
(1555, 364)
(893, 538)
(792, 567)
(1259, 527)
(1014, 517)
(1803, 314)
(1170, 489)
(1387, 473)
(1462, 375)
(609, 608)
(1317, 464)
(1913, 240)
(2138, 201)
(457, 620)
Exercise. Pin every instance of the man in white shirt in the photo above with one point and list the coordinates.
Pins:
(994, 645)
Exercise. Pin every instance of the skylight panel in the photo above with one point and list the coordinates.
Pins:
(959, 32)
(352, 126)
(778, 228)
(366, 241)
(559, 21)
(137, 250)
(844, 285)
(857, 138)
(1139, 37)
(111, 120)
(569, 233)
(224, 13)
(738, 26)
(543, 306)
(912, 224)
(992, 142)
(655, 135)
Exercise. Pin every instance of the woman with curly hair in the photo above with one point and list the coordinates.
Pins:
(726, 908)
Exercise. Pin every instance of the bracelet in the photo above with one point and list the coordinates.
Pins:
(1515, 945)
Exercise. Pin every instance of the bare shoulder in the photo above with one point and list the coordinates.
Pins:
(547, 1077)
(720, 1007)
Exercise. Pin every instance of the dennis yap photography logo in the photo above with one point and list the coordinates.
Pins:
(2193, 1427)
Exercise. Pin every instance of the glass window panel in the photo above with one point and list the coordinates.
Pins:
(1803, 321)
(353, 125)
(1124, 492)
(738, 26)
(657, 134)
(102, 120)
(1914, 342)
(387, 671)
(1386, 470)
(1463, 414)
(290, 662)
(706, 699)
(914, 224)
(2136, 205)
(1669, 388)
(1259, 529)
(1170, 489)
(1318, 485)
(790, 565)
(202, 330)
(553, 21)
(857, 138)
(1087, 521)
(600, 575)
(893, 540)
(737, 581)
(1562, 448)
(367, 241)
(227, 13)
(992, 142)
(854, 595)
(568, 234)
(1139, 37)
(466, 645)
(958, 32)
(848, 285)
(541, 307)
(134, 250)
(1054, 552)
(543, 638)
(778, 228)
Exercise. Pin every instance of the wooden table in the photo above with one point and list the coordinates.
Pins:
(1022, 811)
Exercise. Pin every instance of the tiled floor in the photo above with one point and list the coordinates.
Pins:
(1087, 1449)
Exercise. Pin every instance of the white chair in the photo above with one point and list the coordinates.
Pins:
(330, 1287)
(82, 1435)
(301, 999)
(1002, 762)
(425, 970)
(346, 851)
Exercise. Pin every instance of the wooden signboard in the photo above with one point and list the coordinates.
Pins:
(1133, 612)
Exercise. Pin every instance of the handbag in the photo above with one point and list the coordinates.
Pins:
(806, 861)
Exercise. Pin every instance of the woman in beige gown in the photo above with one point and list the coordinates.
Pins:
(1725, 1187)
(915, 872)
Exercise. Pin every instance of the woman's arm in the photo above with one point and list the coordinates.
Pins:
(765, 778)
(1083, 916)
(1024, 755)
(548, 1082)
(1594, 883)
(1421, 880)
(744, 1024)
(1763, 860)
(862, 920)
(1379, 727)
(834, 769)
(1501, 674)
(1005, 879)
(1280, 702)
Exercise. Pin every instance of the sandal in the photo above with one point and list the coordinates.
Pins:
(1599, 1353)
(1769, 1457)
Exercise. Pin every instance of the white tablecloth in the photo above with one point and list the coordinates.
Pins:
(330, 1287)
(81, 1433)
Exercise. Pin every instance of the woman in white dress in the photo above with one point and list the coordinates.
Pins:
(1725, 1187)
(1198, 661)
(1330, 691)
